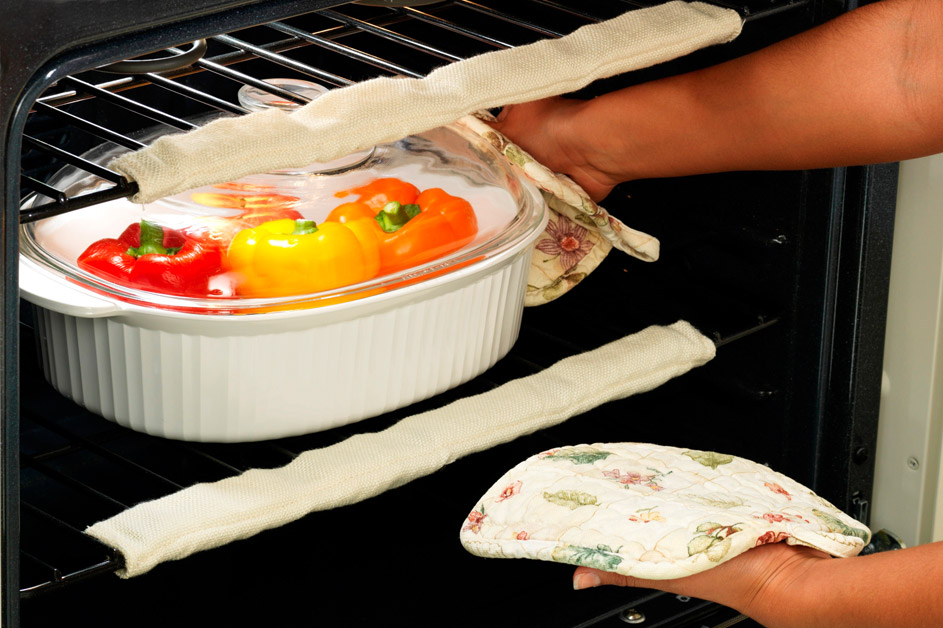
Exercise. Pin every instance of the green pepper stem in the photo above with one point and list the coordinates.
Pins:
(394, 215)
(152, 241)
(304, 227)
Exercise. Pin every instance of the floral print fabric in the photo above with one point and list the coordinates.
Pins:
(650, 511)
(580, 233)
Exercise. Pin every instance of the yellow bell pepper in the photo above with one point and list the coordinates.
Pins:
(292, 257)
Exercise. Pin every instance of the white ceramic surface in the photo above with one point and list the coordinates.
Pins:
(271, 376)
(232, 370)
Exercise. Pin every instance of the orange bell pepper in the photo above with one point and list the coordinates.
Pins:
(435, 224)
(250, 202)
(379, 192)
(445, 224)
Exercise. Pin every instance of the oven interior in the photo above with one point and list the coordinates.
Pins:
(786, 272)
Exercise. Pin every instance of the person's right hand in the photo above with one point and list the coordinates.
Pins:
(769, 583)
(546, 129)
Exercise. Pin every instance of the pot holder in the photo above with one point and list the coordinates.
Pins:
(386, 109)
(650, 511)
(209, 515)
(579, 234)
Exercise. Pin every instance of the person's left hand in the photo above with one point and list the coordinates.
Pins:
(545, 129)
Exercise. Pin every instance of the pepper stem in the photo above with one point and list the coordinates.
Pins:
(394, 215)
(152, 241)
(304, 227)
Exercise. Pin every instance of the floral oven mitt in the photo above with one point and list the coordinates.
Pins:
(580, 233)
(649, 511)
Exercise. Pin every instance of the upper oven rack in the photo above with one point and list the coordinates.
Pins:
(356, 36)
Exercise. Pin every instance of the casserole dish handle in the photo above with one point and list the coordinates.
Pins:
(59, 295)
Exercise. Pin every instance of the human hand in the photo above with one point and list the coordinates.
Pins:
(547, 130)
(768, 583)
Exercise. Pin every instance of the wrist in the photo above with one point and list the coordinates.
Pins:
(650, 130)
(788, 587)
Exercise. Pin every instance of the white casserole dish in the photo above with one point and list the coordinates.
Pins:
(176, 367)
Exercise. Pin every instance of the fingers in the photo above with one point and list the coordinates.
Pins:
(585, 578)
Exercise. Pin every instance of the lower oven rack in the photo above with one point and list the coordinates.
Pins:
(78, 468)
(71, 457)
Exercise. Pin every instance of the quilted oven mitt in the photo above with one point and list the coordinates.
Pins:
(579, 234)
(650, 511)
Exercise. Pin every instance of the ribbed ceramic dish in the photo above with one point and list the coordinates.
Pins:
(183, 369)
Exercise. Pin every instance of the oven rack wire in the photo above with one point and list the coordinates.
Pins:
(89, 460)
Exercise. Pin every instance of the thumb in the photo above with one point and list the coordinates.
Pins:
(585, 578)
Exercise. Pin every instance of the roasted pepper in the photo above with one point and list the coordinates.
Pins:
(257, 205)
(150, 257)
(293, 257)
(265, 201)
(434, 223)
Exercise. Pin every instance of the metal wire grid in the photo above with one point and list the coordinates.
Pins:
(77, 468)
(331, 30)
(363, 39)
(86, 469)
(94, 468)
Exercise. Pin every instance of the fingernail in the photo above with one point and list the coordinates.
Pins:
(586, 581)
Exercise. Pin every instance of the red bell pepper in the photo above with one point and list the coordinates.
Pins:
(150, 257)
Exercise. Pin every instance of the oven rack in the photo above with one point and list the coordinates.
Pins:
(361, 40)
(77, 468)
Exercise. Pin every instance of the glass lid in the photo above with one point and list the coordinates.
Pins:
(395, 215)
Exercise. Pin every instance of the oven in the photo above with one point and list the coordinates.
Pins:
(787, 272)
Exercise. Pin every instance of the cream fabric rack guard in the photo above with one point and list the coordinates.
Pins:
(213, 514)
(210, 515)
